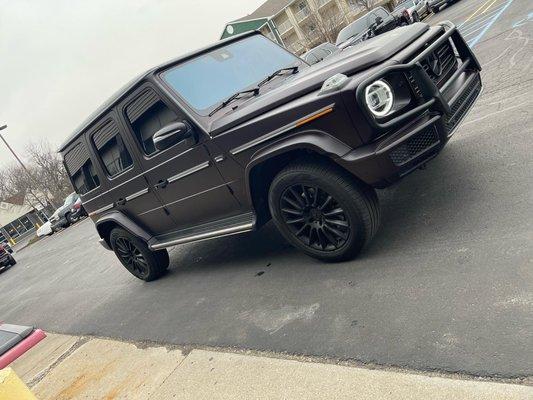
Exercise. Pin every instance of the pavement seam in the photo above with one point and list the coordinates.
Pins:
(39, 377)
(186, 355)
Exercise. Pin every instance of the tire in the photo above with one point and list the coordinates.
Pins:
(71, 219)
(416, 17)
(323, 211)
(148, 265)
(12, 261)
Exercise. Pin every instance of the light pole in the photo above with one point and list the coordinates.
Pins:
(21, 164)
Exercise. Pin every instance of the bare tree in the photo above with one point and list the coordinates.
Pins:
(322, 28)
(365, 4)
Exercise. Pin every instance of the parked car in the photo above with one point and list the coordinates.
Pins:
(373, 23)
(181, 155)
(320, 52)
(45, 229)
(7, 247)
(6, 259)
(77, 211)
(63, 217)
(413, 10)
(436, 5)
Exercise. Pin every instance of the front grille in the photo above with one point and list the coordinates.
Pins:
(461, 106)
(440, 64)
(415, 146)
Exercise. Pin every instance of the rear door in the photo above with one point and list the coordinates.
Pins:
(127, 188)
(184, 176)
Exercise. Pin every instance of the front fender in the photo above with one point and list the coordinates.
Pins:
(312, 140)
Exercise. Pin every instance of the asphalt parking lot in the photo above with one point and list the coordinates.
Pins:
(447, 284)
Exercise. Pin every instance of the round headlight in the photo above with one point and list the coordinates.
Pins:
(379, 98)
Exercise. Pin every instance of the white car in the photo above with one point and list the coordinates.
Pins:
(45, 229)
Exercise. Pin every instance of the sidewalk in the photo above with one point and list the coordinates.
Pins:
(69, 367)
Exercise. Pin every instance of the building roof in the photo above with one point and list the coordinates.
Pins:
(268, 9)
(17, 199)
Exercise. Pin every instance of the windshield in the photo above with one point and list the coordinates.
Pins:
(69, 199)
(354, 29)
(206, 81)
(405, 4)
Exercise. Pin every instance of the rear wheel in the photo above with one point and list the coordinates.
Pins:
(71, 218)
(323, 211)
(135, 255)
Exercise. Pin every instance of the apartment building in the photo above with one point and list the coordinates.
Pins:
(300, 25)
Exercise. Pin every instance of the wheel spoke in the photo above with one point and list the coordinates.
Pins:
(295, 221)
(336, 232)
(305, 196)
(326, 202)
(321, 239)
(293, 203)
(297, 197)
(335, 211)
(300, 231)
(338, 222)
(329, 238)
(315, 197)
(291, 211)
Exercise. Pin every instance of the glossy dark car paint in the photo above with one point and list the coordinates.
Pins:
(215, 183)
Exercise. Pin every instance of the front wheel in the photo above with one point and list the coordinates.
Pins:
(323, 211)
(135, 255)
(72, 219)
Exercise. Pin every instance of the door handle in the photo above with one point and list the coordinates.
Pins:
(121, 202)
(161, 184)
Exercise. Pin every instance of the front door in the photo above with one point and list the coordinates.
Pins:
(184, 176)
(127, 188)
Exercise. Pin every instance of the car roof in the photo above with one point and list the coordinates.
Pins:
(123, 91)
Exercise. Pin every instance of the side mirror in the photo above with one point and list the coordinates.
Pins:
(171, 134)
(379, 20)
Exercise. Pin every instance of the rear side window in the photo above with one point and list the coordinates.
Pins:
(111, 149)
(147, 114)
(81, 170)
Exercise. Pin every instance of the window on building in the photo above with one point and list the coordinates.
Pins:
(147, 114)
(26, 222)
(111, 149)
(11, 231)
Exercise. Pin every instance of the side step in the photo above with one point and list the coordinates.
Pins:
(222, 227)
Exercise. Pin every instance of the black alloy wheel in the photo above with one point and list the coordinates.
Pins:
(137, 257)
(322, 210)
(131, 257)
(315, 217)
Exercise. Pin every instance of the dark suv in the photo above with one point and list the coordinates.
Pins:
(219, 141)
(6, 259)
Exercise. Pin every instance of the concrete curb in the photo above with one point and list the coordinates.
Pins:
(70, 367)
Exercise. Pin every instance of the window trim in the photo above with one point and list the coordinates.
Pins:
(93, 132)
(123, 113)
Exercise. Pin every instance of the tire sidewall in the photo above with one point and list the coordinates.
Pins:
(356, 237)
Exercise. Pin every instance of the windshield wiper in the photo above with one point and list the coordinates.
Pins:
(235, 96)
(276, 73)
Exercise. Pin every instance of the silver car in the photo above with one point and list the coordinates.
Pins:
(417, 9)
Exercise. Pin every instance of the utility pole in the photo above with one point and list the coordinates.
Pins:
(21, 164)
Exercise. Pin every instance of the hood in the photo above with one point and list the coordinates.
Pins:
(310, 78)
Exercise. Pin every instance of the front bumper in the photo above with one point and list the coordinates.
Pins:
(5, 260)
(415, 137)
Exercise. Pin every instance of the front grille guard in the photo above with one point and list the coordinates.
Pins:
(430, 93)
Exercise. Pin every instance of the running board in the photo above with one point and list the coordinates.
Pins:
(223, 227)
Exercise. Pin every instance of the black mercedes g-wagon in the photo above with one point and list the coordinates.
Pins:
(219, 141)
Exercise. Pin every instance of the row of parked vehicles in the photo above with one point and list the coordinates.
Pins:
(70, 212)
(374, 23)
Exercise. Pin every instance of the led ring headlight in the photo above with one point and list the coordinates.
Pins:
(379, 98)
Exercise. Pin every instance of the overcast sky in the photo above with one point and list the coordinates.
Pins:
(60, 59)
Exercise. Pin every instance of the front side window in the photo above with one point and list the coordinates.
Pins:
(147, 114)
(205, 81)
(112, 150)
